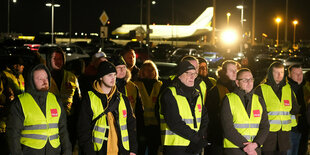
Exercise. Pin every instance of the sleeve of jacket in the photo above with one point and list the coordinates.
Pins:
(131, 125)
(295, 105)
(169, 109)
(14, 127)
(63, 132)
(263, 126)
(84, 130)
(229, 130)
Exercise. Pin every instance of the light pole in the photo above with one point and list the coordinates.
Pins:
(241, 8)
(53, 5)
(228, 15)
(278, 20)
(14, 1)
(295, 22)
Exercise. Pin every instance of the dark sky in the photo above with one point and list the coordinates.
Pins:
(32, 16)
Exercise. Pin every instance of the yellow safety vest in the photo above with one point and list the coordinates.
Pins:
(247, 126)
(68, 85)
(37, 127)
(278, 111)
(168, 137)
(14, 82)
(101, 124)
(131, 93)
(149, 101)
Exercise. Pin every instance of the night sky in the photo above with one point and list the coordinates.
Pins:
(32, 16)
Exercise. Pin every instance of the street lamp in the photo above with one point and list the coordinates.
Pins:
(53, 5)
(278, 20)
(241, 8)
(295, 22)
(228, 15)
(14, 1)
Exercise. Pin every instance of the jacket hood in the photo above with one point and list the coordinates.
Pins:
(269, 77)
(30, 86)
(49, 58)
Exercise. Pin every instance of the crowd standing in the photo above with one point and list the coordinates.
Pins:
(111, 106)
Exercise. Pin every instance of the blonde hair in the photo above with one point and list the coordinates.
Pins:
(148, 63)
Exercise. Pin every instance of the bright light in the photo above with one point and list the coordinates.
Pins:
(229, 36)
(278, 19)
(228, 14)
(56, 5)
(295, 22)
(239, 7)
(48, 4)
(153, 2)
(14, 1)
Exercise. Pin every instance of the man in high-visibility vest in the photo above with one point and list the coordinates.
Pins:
(106, 122)
(281, 106)
(225, 83)
(37, 120)
(244, 118)
(183, 118)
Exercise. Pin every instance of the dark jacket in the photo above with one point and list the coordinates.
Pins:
(277, 140)
(170, 111)
(16, 122)
(84, 125)
(213, 104)
(298, 90)
(231, 133)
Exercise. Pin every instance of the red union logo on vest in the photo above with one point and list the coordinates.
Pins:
(54, 112)
(124, 113)
(199, 107)
(256, 113)
(286, 102)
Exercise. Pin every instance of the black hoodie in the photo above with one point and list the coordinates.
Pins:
(16, 122)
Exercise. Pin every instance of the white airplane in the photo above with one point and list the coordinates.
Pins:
(199, 27)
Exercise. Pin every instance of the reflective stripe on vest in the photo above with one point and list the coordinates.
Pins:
(37, 127)
(247, 126)
(68, 86)
(149, 101)
(131, 93)
(169, 138)
(101, 126)
(278, 111)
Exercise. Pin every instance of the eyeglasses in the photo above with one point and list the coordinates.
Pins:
(191, 74)
(246, 80)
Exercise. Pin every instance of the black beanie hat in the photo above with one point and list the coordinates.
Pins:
(118, 60)
(105, 68)
(184, 66)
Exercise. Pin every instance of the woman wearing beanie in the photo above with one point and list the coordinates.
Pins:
(106, 124)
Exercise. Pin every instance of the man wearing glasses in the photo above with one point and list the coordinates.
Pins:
(281, 106)
(244, 118)
(183, 118)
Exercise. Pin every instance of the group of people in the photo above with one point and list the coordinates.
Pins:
(114, 107)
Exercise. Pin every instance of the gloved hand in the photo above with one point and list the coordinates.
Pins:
(195, 148)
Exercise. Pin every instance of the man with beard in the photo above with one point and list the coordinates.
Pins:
(244, 118)
(106, 123)
(183, 118)
(203, 73)
(37, 120)
(225, 84)
(130, 58)
(281, 105)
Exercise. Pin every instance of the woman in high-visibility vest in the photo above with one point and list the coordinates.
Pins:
(149, 86)
(244, 118)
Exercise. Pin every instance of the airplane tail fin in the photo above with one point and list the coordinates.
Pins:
(204, 19)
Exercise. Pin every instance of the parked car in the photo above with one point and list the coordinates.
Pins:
(165, 69)
(73, 52)
(162, 51)
(179, 53)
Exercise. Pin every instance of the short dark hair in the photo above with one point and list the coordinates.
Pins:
(243, 70)
(293, 66)
(202, 60)
(221, 70)
(126, 50)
